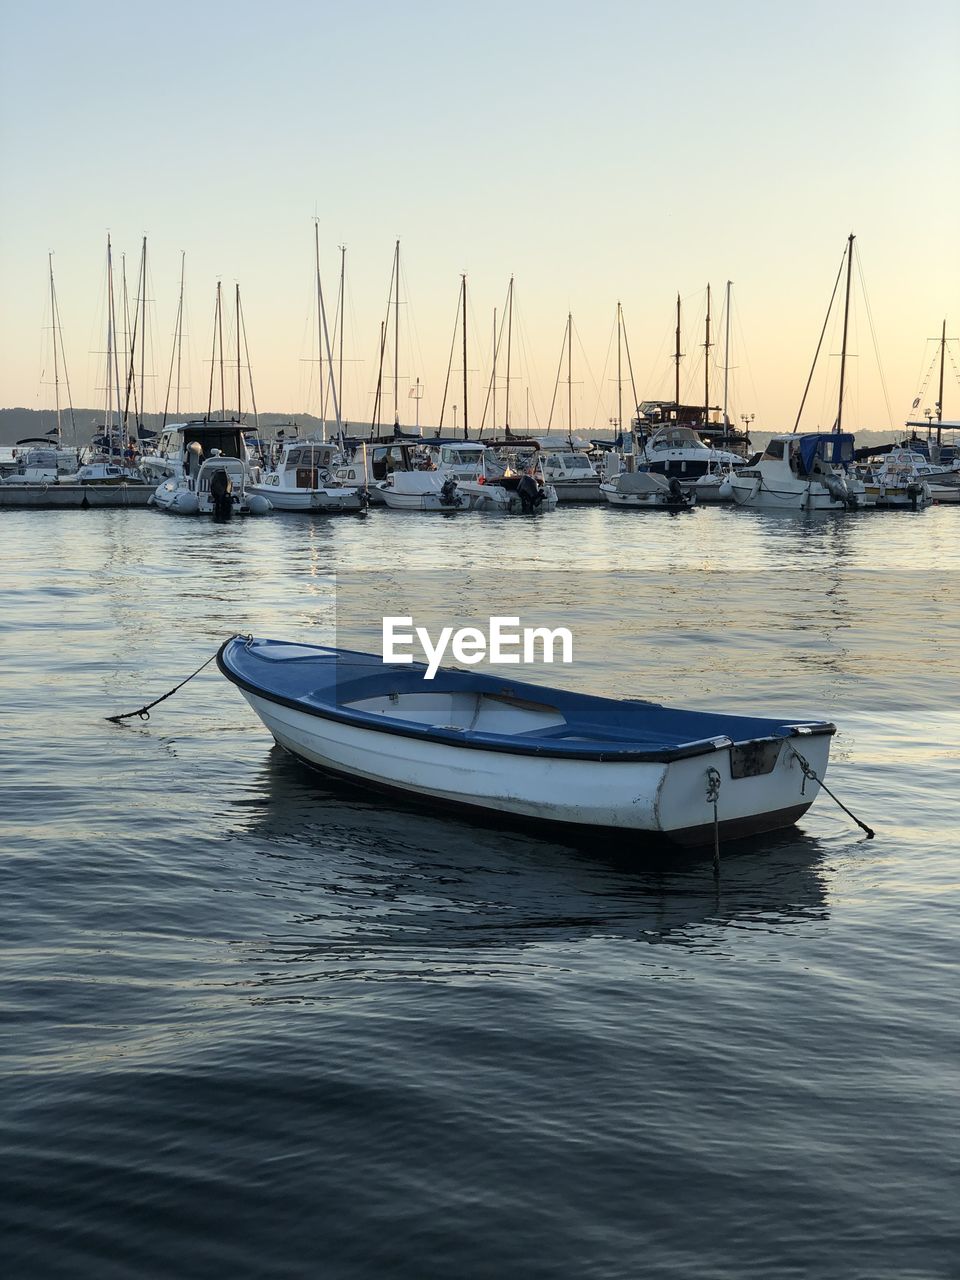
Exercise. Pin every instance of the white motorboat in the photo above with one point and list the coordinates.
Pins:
(572, 474)
(678, 453)
(422, 491)
(303, 479)
(646, 491)
(810, 472)
(480, 741)
(209, 471)
(510, 485)
(898, 479)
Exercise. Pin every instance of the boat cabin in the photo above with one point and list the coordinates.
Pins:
(807, 455)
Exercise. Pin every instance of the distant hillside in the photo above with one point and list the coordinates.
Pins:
(16, 424)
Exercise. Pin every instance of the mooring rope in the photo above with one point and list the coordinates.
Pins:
(811, 773)
(713, 795)
(144, 712)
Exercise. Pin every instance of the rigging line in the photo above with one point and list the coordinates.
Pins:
(738, 322)
(633, 385)
(413, 333)
(496, 356)
(453, 343)
(246, 352)
(820, 343)
(63, 358)
(563, 349)
(586, 363)
(873, 335)
(603, 375)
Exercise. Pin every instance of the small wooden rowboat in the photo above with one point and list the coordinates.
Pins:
(482, 741)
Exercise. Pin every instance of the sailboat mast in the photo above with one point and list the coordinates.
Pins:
(56, 363)
(396, 340)
(726, 359)
(320, 387)
(570, 375)
(943, 348)
(183, 258)
(706, 365)
(676, 359)
(175, 352)
(141, 408)
(506, 418)
(223, 389)
(493, 381)
(619, 369)
(846, 318)
(343, 274)
(113, 369)
(239, 401)
(213, 356)
(466, 434)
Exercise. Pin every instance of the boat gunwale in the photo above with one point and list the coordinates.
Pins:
(502, 743)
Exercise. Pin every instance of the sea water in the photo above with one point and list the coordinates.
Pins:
(259, 1024)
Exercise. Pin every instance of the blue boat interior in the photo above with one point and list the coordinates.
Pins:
(463, 707)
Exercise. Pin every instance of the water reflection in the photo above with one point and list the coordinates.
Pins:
(379, 891)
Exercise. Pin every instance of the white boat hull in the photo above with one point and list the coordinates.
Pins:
(669, 799)
(326, 499)
(494, 498)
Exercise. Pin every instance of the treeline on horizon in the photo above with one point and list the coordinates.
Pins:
(18, 424)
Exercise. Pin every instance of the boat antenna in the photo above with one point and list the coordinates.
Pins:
(846, 317)
(826, 321)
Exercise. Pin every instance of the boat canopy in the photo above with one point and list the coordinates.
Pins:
(833, 447)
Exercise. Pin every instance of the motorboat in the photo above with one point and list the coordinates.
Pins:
(302, 480)
(647, 491)
(478, 741)
(572, 474)
(422, 491)
(510, 484)
(899, 479)
(809, 472)
(208, 471)
(678, 453)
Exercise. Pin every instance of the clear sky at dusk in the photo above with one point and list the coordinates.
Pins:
(598, 151)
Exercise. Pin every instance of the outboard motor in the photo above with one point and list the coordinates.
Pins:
(193, 459)
(531, 495)
(677, 496)
(221, 491)
(837, 488)
(448, 493)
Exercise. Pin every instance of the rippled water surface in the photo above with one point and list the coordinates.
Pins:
(256, 1024)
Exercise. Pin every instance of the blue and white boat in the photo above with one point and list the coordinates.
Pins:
(481, 741)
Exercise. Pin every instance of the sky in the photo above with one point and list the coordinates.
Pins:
(599, 152)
